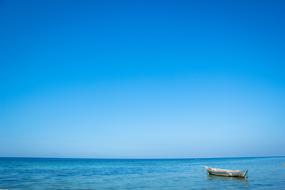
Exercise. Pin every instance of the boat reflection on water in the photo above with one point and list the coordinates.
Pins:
(214, 178)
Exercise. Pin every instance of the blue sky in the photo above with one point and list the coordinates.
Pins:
(142, 79)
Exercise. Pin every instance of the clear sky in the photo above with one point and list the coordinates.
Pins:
(142, 79)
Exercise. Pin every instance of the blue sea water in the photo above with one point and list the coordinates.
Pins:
(40, 173)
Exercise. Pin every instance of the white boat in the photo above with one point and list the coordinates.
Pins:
(226, 173)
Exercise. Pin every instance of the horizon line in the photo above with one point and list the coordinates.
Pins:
(94, 158)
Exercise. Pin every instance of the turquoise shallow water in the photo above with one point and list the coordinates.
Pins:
(35, 173)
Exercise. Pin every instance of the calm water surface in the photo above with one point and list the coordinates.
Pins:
(28, 173)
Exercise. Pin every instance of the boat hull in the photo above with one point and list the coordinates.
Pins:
(226, 173)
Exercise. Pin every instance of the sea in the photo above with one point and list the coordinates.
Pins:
(138, 174)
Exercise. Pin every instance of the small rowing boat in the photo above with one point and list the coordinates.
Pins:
(226, 173)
